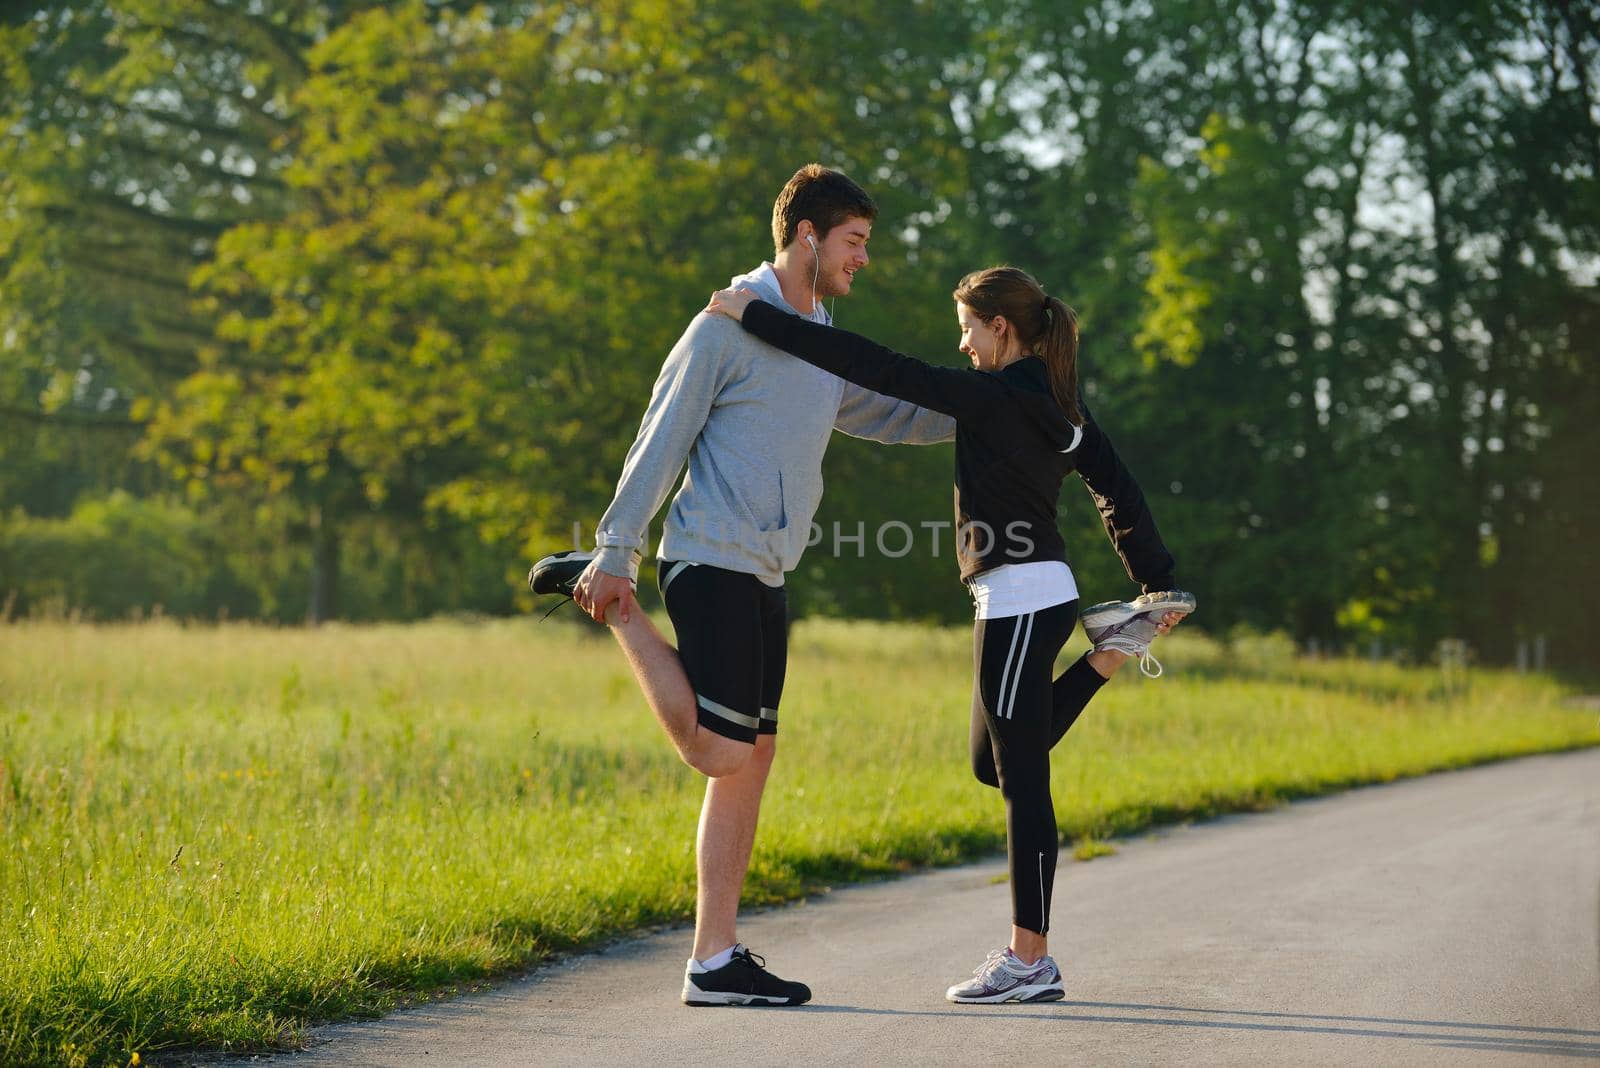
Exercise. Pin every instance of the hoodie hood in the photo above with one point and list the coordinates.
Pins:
(1032, 375)
(764, 280)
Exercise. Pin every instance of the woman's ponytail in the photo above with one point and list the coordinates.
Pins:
(1058, 347)
(1043, 325)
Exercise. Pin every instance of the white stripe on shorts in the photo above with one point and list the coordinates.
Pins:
(727, 713)
(672, 573)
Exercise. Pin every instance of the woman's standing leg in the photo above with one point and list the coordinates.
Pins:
(1012, 752)
(1015, 657)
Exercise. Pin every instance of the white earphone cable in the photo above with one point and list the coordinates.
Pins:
(816, 272)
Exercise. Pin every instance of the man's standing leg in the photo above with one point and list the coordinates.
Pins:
(722, 848)
(733, 802)
(727, 625)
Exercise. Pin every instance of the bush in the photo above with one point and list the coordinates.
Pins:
(117, 557)
(1270, 651)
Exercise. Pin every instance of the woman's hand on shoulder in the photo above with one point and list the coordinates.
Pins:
(731, 302)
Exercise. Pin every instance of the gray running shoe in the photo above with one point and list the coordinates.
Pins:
(1002, 977)
(1130, 626)
(1103, 617)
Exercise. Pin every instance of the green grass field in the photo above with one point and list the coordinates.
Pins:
(216, 836)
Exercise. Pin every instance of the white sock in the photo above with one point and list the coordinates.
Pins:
(1020, 966)
(713, 962)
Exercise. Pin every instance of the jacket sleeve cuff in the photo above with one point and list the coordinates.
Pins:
(619, 561)
(1160, 584)
(753, 319)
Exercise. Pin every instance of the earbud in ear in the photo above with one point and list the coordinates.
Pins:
(812, 241)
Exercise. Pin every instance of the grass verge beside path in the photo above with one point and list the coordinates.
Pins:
(214, 837)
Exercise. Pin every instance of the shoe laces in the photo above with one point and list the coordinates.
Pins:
(1121, 643)
(1145, 663)
(996, 957)
(754, 960)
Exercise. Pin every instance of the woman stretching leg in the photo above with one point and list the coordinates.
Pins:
(1021, 427)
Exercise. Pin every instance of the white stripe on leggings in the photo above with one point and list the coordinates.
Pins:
(1016, 678)
(1044, 921)
(1005, 672)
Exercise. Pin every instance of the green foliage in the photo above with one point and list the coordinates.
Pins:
(119, 556)
(402, 275)
(452, 308)
(1345, 313)
(138, 132)
(1088, 848)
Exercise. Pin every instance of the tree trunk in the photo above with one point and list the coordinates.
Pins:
(1455, 512)
(324, 603)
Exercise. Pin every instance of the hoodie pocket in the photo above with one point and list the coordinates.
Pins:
(763, 507)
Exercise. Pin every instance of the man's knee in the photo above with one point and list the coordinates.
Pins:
(715, 756)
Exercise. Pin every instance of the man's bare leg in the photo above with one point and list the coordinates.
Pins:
(722, 850)
(667, 691)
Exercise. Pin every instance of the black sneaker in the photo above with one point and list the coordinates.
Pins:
(559, 573)
(744, 980)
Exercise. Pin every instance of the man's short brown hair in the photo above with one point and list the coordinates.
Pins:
(821, 194)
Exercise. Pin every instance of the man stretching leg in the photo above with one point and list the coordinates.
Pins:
(753, 427)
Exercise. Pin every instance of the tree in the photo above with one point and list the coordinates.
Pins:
(502, 226)
(1361, 236)
(140, 131)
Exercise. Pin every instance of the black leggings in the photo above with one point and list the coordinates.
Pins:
(1018, 715)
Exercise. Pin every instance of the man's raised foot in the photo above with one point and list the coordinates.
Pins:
(559, 572)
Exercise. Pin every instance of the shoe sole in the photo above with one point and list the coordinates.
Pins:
(1025, 995)
(1114, 611)
(706, 999)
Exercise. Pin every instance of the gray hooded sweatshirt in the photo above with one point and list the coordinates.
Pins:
(753, 422)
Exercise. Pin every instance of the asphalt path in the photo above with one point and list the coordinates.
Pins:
(1452, 919)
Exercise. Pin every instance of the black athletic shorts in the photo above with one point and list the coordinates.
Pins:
(733, 638)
